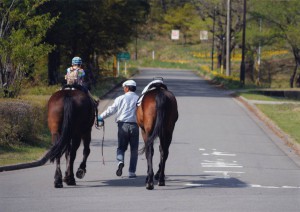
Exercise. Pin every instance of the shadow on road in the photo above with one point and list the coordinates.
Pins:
(173, 182)
(229, 182)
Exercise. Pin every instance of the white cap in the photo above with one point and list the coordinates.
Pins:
(129, 83)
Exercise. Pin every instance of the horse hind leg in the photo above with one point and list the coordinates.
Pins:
(164, 153)
(58, 183)
(156, 176)
(86, 151)
(69, 178)
(67, 156)
(160, 176)
(149, 156)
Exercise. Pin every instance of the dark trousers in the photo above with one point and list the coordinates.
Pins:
(128, 133)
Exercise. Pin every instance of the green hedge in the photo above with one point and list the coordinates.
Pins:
(21, 122)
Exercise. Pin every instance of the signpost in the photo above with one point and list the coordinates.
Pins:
(123, 56)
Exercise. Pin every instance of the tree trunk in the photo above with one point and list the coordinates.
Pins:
(292, 79)
(163, 5)
(297, 59)
(53, 65)
(298, 81)
(250, 69)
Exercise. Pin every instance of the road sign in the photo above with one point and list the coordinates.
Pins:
(123, 56)
(175, 34)
(203, 35)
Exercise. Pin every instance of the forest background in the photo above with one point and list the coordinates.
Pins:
(38, 39)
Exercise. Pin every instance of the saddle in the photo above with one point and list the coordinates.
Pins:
(156, 84)
(74, 86)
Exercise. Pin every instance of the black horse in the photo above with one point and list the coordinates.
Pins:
(156, 116)
(71, 115)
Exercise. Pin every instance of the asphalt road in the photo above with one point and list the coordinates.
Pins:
(222, 158)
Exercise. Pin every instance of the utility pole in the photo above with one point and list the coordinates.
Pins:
(213, 41)
(136, 42)
(259, 56)
(243, 66)
(228, 38)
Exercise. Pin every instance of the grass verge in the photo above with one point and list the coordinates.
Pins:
(20, 154)
(255, 96)
(286, 116)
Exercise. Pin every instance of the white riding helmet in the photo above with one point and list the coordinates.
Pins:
(129, 83)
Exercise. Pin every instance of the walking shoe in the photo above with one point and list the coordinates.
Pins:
(119, 170)
(132, 175)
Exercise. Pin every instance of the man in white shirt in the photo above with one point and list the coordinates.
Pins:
(124, 107)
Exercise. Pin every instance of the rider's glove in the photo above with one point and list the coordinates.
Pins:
(100, 121)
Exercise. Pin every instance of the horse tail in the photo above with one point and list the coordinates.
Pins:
(162, 103)
(64, 140)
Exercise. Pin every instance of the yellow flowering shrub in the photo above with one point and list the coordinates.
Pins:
(238, 56)
(177, 61)
(219, 78)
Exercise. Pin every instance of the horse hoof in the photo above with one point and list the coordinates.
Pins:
(161, 184)
(71, 183)
(150, 186)
(80, 173)
(58, 185)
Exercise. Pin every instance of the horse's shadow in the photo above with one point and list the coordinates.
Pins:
(173, 182)
(206, 181)
(121, 182)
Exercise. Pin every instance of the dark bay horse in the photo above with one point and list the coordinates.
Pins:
(156, 116)
(71, 115)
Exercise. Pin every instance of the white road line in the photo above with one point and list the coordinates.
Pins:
(242, 186)
(220, 163)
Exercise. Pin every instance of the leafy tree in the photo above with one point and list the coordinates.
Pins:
(259, 35)
(94, 30)
(183, 18)
(22, 31)
(216, 10)
(284, 18)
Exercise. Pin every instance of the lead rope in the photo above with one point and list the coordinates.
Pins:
(103, 162)
(102, 145)
(98, 128)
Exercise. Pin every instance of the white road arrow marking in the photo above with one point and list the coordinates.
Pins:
(223, 154)
(220, 164)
